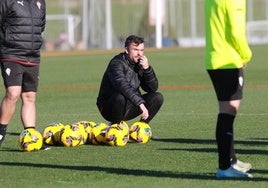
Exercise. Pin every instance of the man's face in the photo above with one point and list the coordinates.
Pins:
(135, 51)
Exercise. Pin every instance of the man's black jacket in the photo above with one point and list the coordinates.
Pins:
(126, 77)
(21, 25)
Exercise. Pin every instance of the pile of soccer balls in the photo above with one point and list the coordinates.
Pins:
(85, 132)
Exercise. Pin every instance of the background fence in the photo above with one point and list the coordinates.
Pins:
(104, 24)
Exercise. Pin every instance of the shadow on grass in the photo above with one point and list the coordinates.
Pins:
(210, 141)
(260, 139)
(213, 142)
(211, 150)
(13, 134)
(124, 171)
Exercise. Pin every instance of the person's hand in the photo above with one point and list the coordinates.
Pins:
(144, 112)
(143, 61)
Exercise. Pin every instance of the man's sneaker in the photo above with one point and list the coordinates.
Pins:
(3, 129)
(2, 138)
(241, 166)
(232, 173)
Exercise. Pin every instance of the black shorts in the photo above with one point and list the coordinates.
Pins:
(228, 83)
(16, 74)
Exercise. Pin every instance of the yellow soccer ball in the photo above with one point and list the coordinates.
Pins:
(30, 140)
(124, 126)
(71, 135)
(56, 138)
(117, 135)
(97, 135)
(88, 125)
(50, 131)
(81, 126)
(140, 132)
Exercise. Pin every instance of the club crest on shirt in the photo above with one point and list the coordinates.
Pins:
(20, 3)
(241, 80)
(38, 4)
(8, 71)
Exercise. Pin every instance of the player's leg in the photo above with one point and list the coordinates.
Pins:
(7, 109)
(8, 105)
(28, 109)
(229, 109)
(28, 95)
(228, 85)
(12, 76)
(131, 111)
(153, 102)
(114, 108)
(224, 131)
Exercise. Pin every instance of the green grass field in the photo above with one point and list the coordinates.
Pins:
(184, 155)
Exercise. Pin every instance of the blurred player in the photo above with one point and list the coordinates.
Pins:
(227, 53)
(21, 27)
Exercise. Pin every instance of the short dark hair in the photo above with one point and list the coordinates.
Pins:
(133, 39)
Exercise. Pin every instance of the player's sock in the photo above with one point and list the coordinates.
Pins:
(3, 129)
(232, 154)
(29, 127)
(224, 138)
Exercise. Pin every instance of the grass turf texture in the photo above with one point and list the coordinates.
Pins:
(184, 155)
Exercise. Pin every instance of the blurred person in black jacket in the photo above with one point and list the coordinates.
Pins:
(120, 97)
(21, 25)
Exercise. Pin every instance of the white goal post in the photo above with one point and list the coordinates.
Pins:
(70, 24)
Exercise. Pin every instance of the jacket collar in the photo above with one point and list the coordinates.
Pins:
(127, 58)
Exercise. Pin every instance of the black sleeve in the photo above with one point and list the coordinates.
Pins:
(3, 11)
(44, 18)
(116, 74)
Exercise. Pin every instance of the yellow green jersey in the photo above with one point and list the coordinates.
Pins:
(226, 42)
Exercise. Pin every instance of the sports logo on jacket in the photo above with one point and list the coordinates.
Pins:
(20, 2)
(38, 4)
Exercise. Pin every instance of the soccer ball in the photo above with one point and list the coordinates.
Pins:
(71, 135)
(124, 125)
(81, 126)
(88, 125)
(50, 133)
(140, 132)
(117, 135)
(56, 138)
(97, 134)
(30, 140)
